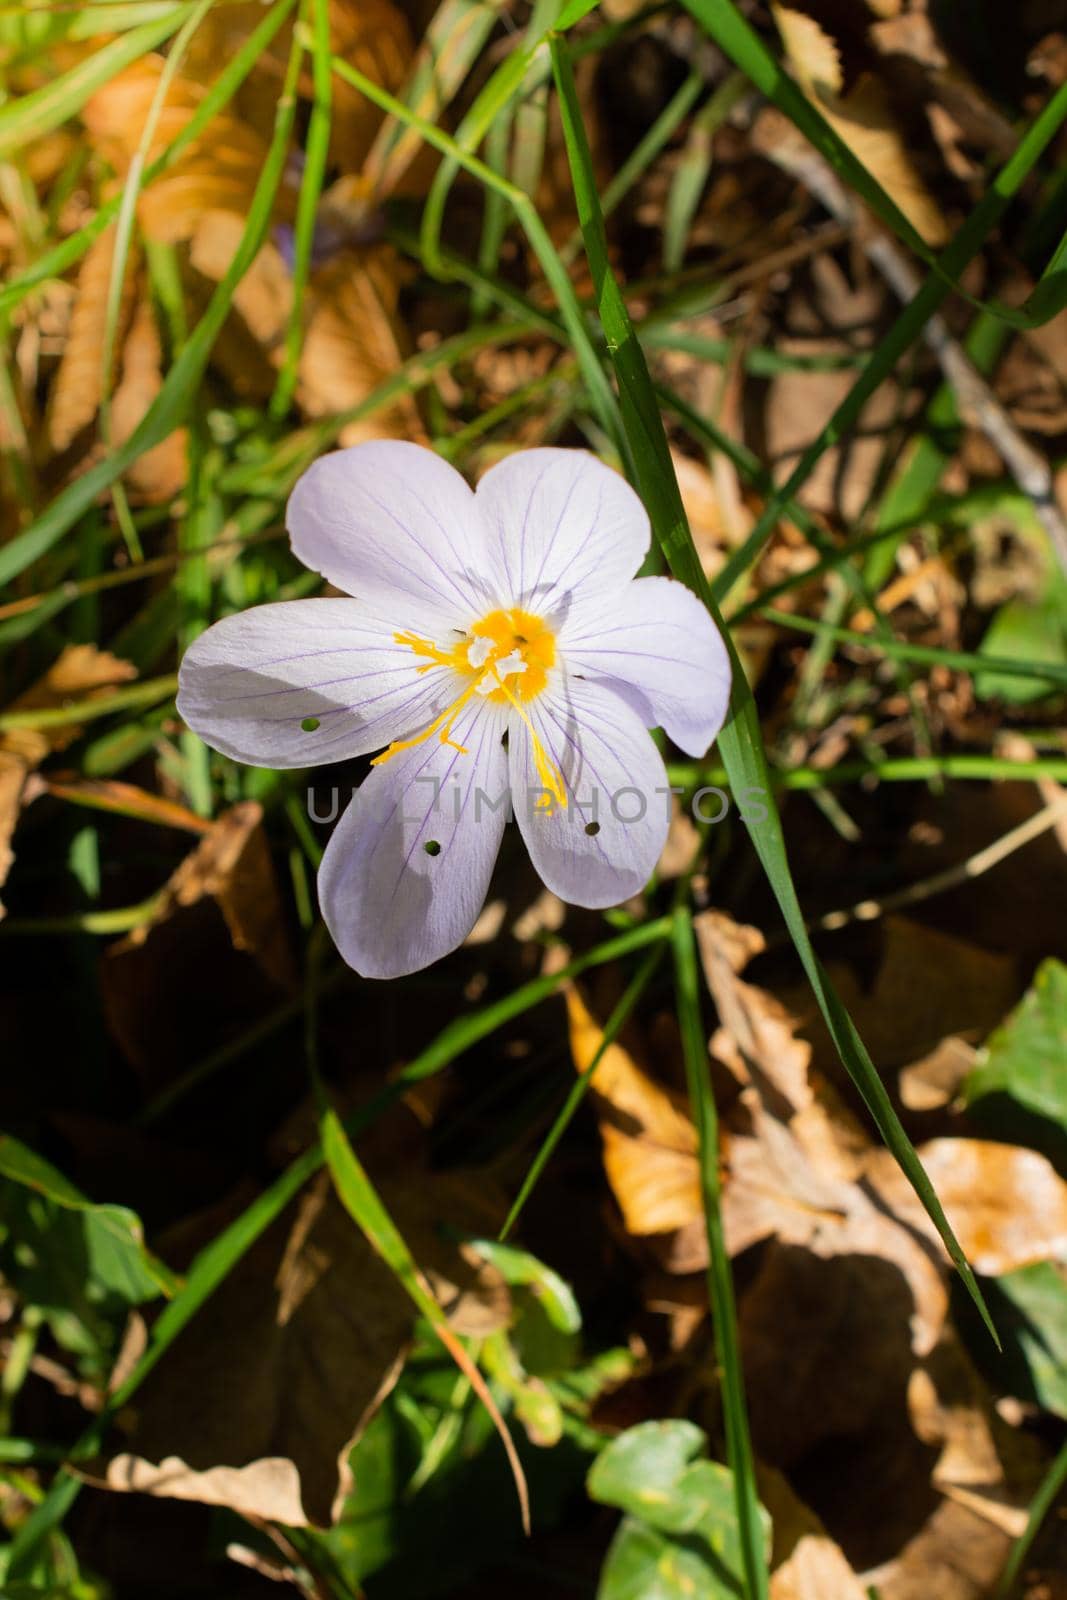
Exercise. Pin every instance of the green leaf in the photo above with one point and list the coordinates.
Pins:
(37, 113)
(681, 1524)
(643, 1564)
(1025, 1058)
(1034, 631)
(115, 1259)
(520, 1269)
(1034, 1329)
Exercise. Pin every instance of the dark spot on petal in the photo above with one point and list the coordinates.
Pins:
(309, 724)
(504, 738)
(432, 847)
(592, 829)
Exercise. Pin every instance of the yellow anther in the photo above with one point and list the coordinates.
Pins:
(506, 656)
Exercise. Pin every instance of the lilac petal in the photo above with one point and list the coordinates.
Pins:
(556, 521)
(660, 646)
(602, 848)
(392, 905)
(249, 683)
(395, 525)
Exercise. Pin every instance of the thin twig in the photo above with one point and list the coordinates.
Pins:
(951, 877)
(977, 403)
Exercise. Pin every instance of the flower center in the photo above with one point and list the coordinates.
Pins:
(505, 657)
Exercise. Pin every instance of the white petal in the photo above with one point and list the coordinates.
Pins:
(657, 640)
(395, 525)
(603, 846)
(248, 684)
(557, 520)
(392, 906)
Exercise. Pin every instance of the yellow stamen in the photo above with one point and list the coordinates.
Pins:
(547, 771)
(447, 717)
(525, 648)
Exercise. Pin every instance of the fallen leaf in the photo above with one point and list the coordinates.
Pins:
(650, 1145)
(81, 671)
(1007, 1205)
(157, 474)
(806, 1564)
(74, 399)
(934, 1080)
(218, 171)
(258, 1405)
(863, 117)
(217, 931)
(353, 342)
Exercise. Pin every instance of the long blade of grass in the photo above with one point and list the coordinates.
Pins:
(740, 741)
(64, 255)
(927, 655)
(316, 153)
(1051, 1486)
(612, 1028)
(964, 245)
(720, 1278)
(37, 113)
(366, 1208)
(217, 1260)
(722, 20)
(178, 392)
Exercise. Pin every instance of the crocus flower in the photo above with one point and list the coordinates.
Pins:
(498, 647)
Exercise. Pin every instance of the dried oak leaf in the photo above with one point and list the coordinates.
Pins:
(81, 671)
(218, 931)
(863, 117)
(258, 1405)
(650, 1145)
(1007, 1205)
(157, 474)
(217, 171)
(806, 1564)
(354, 341)
(76, 390)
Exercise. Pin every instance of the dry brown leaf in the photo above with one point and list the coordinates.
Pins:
(649, 1143)
(806, 1563)
(259, 1403)
(159, 473)
(75, 396)
(863, 117)
(218, 171)
(81, 671)
(1007, 1205)
(354, 341)
(933, 1081)
(219, 931)
(757, 1039)
(231, 865)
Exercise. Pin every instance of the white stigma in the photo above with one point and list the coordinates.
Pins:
(479, 651)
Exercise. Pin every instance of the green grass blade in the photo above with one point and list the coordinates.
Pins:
(42, 110)
(908, 327)
(1051, 1486)
(217, 1260)
(740, 742)
(365, 1206)
(720, 1277)
(612, 1028)
(178, 392)
(927, 655)
(225, 86)
(316, 155)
